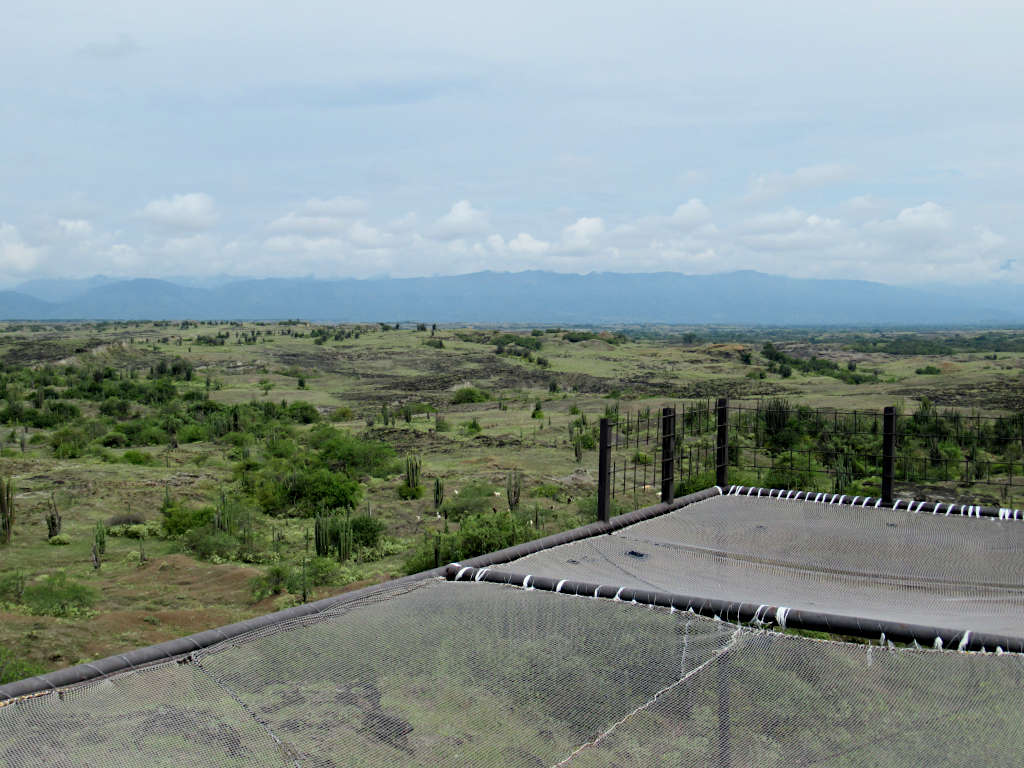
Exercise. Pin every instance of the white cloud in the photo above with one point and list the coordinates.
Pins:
(691, 214)
(772, 185)
(582, 234)
(927, 216)
(300, 244)
(75, 227)
(463, 219)
(526, 243)
(364, 235)
(193, 211)
(16, 257)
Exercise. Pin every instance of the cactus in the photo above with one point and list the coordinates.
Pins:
(412, 471)
(322, 535)
(101, 538)
(513, 489)
(53, 519)
(438, 494)
(6, 510)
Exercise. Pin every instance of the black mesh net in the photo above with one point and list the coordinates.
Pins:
(937, 570)
(478, 674)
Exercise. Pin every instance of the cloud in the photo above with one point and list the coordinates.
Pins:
(691, 214)
(582, 234)
(463, 219)
(364, 235)
(75, 227)
(109, 49)
(193, 211)
(16, 257)
(526, 243)
(318, 216)
(773, 185)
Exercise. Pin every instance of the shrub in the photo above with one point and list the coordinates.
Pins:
(928, 370)
(471, 427)
(137, 531)
(179, 520)
(406, 493)
(56, 595)
(60, 540)
(273, 581)
(114, 440)
(208, 543)
(303, 413)
(366, 531)
(124, 519)
(138, 458)
(470, 395)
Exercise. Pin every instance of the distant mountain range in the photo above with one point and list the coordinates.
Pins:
(736, 298)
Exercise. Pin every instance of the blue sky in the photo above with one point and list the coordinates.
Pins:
(876, 141)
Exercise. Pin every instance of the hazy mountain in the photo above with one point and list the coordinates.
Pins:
(529, 297)
(63, 289)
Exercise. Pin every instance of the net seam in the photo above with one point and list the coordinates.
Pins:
(286, 749)
(628, 716)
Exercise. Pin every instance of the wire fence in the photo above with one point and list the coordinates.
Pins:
(929, 453)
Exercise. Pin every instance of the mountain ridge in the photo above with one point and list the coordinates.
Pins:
(737, 298)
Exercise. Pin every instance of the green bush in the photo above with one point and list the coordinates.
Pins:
(303, 413)
(114, 440)
(60, 540)
(470, 395)
(179, 520)
(138, 458)
(274, 581)
(136, 531)
(470, 499)
(366, 530)
(56, 595)
(406, 492)
(208, 543)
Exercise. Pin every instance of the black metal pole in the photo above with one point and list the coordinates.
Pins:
(722, 444)
(888, 452)
(604, 461)
(668, 454)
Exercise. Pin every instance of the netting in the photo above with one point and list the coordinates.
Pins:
(478, 674)
(937, 570)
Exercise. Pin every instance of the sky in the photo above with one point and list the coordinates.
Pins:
(868, 140)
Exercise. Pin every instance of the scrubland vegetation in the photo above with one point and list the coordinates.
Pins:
(157, 479)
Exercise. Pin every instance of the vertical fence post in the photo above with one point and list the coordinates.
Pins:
(668, 454)
(888, 452)
(604, 481)
(722, 444)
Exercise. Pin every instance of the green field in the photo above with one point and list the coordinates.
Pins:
(189, 445)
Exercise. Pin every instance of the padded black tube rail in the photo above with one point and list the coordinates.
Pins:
(940, 508)
(750, 613)
(182, 646)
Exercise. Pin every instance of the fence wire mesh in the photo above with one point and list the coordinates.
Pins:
(478, 674)
(940, 454)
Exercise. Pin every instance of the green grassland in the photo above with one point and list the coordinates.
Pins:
(188, 445)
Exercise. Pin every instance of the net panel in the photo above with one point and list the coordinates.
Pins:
(954, 572)
(478, 674)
